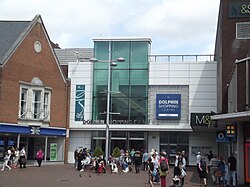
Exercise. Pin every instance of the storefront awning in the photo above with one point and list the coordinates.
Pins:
(232, 117)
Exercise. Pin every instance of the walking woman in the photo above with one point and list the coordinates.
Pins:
(39, 157)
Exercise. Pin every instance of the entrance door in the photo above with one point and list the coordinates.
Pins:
(121, 144)
(136, 145)
(247, 161)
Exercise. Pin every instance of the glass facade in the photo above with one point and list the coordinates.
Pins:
(129, 81)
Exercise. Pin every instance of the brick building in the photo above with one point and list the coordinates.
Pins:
(33, 91)
(232, 56)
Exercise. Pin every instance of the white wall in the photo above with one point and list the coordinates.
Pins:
(153, 141)
(78, 139)
(199, 76)
(81, 73)
(202, 140)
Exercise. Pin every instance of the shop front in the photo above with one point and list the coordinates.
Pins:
(32, 138)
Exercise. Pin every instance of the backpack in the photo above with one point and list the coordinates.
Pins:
(163, 165)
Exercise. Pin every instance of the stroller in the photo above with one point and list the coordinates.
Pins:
(176, 181)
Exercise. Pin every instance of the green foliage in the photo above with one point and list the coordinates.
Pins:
(98, 151)
(116, 152)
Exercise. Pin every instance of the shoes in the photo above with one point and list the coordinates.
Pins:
(9, 169)
(2, 169)
(81, 170)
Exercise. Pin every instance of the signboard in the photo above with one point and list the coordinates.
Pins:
(53, 152)
(2, 142)
(168, 106)
(239, 9)
(11, 142)
(79, 102)
(221, 137)
(200, 119)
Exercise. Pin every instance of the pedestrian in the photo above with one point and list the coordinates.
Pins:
(155, 160)
(151, 172)
(232, 169)
(221, 171)
(198, 159)
(39, 157)
(137, 161)
(163, 168)
(183, 166)
(145, 157)
(213, 168)
(76, 154)
(132, 156)
(16, 157)
(210, 156)
(85, 162)
(23, 158)
(203, 170)
(6, 160)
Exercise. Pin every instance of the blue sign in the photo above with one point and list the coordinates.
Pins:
(79, 102)
(221, 137)
(168, 106)
(1, 142)
(11, 142)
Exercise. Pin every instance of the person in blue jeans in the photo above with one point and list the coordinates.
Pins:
(155, 160)
(232, 169)
(221, 167)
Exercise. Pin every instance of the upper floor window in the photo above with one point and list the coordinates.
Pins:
(242, 30)
(34, 101)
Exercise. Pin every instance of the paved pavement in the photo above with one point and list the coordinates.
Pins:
(65, 175)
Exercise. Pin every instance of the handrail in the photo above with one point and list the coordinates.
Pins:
(181, 58)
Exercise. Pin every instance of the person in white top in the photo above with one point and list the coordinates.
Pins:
(22, 155)
(15, 162)
(85, 162)
(6, 160)
(198, 159)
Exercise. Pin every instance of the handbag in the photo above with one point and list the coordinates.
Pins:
(183, 173)
(154, 173)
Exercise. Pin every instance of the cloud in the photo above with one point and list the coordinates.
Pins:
(175, 26)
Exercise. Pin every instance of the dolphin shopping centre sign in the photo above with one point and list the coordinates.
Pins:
(168, 106)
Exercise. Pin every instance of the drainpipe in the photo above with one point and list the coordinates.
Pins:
(66, 150)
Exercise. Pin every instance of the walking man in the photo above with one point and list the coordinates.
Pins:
(232, 169)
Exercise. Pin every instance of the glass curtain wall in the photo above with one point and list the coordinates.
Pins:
(129, 82)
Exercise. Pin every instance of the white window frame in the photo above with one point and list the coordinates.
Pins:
(23, 103)
(43, 112)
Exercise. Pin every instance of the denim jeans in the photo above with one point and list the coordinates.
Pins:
(231, 175)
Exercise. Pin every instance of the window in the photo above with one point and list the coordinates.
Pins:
(23, 109)
(34, 101)
(46, 106)
(36, 104)
(242, 30)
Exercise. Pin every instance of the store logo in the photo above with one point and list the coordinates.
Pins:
(200, 119)
(245, 9)
(35, 130)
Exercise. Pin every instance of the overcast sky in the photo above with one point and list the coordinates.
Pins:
(175, 26)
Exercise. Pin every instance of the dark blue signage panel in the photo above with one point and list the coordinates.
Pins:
(239, 9)
(79, 102)
(1, 142)
(11, 143)
(168, 106)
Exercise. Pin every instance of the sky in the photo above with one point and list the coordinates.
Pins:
(183, 27)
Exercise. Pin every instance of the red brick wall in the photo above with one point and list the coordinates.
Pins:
(24, 65)
(232, 48)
